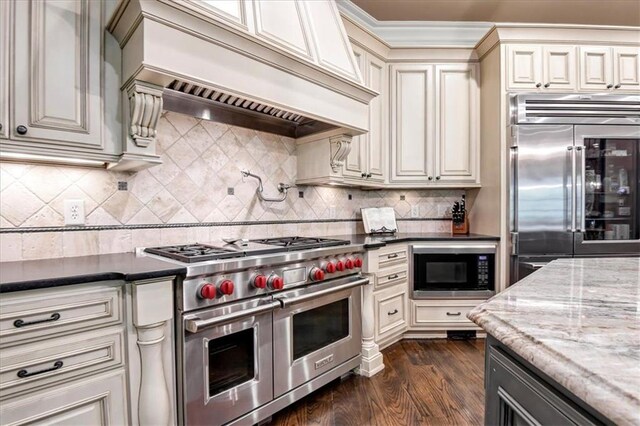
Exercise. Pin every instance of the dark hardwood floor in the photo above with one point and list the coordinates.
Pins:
(425, 382)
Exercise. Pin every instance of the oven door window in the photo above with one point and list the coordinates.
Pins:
(320, 327)
(231, 361)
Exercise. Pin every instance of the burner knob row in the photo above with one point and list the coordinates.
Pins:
(316, 274)
(276, 282)
(209, 291)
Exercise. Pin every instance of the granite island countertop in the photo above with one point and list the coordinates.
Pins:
(578, 322)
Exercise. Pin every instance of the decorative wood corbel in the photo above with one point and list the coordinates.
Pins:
(145, 107)
(340, 148)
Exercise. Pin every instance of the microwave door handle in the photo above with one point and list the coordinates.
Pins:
(195, 325)
(288, 301)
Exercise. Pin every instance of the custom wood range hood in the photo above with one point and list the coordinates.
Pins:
(284, 67)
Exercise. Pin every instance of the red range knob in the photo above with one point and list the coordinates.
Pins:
(316, 274)
(348, 263)
(357, 262)
(340, 265)
(259, 281)
(207, 291)
(226, 287)
(276, 282)
(330, 267)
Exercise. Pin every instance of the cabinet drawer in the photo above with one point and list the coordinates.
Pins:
(390, 311)
(391, 277)
(436, 312)
(34, 365)
(392, 257)
(96, 400)
(28, 315)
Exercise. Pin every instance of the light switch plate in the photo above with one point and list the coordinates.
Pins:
(74, 212)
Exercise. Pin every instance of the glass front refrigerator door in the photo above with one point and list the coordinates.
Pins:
(608, 203)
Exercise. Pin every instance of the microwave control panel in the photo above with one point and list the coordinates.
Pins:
(483, 270)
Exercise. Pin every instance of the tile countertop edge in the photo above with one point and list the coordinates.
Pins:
(577, 380)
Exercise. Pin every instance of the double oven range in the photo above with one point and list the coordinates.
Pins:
(262, 323)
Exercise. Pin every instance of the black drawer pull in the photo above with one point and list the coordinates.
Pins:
(24, 373)
(393, 277)
(20, 323)
(392, 256)
(395, 311)
(457, 314)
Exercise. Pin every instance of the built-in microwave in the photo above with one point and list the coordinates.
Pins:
(453, 270)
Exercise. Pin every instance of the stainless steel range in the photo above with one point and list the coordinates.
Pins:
(263, 323)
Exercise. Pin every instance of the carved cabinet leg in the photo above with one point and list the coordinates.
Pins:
(372, 361)
(153, 401)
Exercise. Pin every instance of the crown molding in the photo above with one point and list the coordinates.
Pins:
(413, 34)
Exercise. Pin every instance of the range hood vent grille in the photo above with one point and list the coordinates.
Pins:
(589, 109)
(216, 105)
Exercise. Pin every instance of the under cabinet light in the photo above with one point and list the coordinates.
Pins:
(17, 156)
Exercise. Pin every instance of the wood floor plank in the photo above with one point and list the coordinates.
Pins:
(425, 382)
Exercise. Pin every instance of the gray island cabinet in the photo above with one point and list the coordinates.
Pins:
(563, 345)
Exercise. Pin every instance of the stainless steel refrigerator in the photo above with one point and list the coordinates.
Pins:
(574, 177)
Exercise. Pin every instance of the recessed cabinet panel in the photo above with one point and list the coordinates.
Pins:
(411, 122)
(232, 11)
(57, 94)
(595, 68)
(377, 139)
(5, 41)
(292, 37)
(626, 64)
(457, 122)
(354, 165)
(523, 66)
(333, 51)
(559, 67)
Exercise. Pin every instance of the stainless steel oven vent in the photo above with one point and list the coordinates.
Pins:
(576, 109)
(216, 105)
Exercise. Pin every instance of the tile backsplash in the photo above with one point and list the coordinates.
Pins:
(198, 182)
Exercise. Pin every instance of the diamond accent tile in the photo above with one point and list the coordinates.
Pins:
(55, 179)
(182, 188)
(122, 205)
(17, 203)
(182, 154)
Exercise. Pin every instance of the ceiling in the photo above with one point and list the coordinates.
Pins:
(595, 12)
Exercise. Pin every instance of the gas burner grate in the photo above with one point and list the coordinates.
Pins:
(301, 243)
(190, 253)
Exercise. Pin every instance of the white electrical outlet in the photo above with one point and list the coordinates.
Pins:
(332, 212)
(415, 211)
(74, 212)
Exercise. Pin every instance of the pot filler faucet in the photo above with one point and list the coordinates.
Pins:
(282, 188)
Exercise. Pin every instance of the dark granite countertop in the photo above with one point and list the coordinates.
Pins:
(369, 241)
(35, 274)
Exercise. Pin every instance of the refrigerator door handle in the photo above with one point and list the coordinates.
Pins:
(572, 193)
(580, 212)
(513, 210)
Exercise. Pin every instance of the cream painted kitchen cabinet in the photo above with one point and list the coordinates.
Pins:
(533, 67)
(435, 125)
(366, 161)
(609, 68)
(5, 42)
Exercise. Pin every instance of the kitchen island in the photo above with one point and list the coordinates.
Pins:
(564, 345)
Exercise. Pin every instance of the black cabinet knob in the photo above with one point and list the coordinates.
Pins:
(364, 175)
(0, 126)
(547, 85)
(437, 177)
(430, 178)
(368, 175)
(22, 130)
(617, 86)
(609, 86)
(539, 85)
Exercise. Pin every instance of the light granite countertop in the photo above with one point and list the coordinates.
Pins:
(577, 321)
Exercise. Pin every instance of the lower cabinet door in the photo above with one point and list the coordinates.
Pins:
(516, 397)
(97, 400)
(390, 312)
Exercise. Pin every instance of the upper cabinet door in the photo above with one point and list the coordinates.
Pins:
(230, 11)
(412, 117)
(524, 67)
(457, 122)
(378, 139)
(596, 68)
(626, 68)
(355, 164)
(330, 38)
(559, 68)
(292, 37)
(5, 42)
(57, 82)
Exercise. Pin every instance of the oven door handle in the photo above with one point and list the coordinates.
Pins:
(288, 301)
(197, 324)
